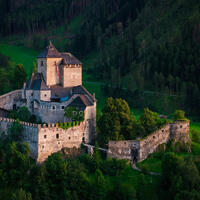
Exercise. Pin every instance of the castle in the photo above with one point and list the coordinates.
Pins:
(56, 86)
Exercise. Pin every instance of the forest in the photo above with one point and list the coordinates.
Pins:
(147, 51)
(83, 176)
(144, 51)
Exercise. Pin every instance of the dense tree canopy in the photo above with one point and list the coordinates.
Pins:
(117, 122)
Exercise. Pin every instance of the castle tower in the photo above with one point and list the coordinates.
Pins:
(48, 64)
(59, 68)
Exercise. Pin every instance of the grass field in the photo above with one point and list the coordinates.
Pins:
(20, 55)
(195, 125)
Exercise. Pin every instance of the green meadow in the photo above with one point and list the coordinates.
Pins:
(20, 55)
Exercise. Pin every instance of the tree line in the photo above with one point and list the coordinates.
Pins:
(144, 45)
(12, 76)
(27, 17)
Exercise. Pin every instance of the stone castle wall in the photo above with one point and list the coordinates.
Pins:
(30, 134)
(72, 75)
(12, 98)
(140, 149)
(122, 149)
(45, 140)
(52, 139)
(149, 144)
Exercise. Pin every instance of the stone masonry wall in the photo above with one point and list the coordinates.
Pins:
(143, 147)
(72, 75)
(30, 134)
(45, 140)
(149, 144)
(51, 71)
(53, 139)
(12, 98)
(180, 131)
(122, 149)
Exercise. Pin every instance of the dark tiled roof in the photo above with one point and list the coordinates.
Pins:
(58, 91)
(50, 52)
(77, 102)
(81, 101)
(69, 59)
(81, 90)
(36, 82)
(85, 100)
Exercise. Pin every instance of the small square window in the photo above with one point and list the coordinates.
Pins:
(45, 95)
(45, 136)
(81, 112)
(57, 136)
(53, 107)
(74, 113)
(63, 107)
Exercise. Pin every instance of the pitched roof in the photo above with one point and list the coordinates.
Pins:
(58, 91)
(81, 90)
(36, 82)
(69, 59)
(81, 101)
(50, 52)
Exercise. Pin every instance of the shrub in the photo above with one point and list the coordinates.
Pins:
(195, 136)
(112, 166)
(145, 168)
(179, 115)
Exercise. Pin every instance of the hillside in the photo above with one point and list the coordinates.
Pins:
(144, 51)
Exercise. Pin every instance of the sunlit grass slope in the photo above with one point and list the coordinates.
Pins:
(20, 55)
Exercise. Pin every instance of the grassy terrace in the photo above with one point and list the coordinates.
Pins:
(20, 55)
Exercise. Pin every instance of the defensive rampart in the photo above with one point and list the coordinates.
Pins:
(29, 133)
(11, 99)
(138, 150)
(44, 140)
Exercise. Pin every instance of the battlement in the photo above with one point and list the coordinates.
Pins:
(9, 120)
(45, 139)
(138, 150)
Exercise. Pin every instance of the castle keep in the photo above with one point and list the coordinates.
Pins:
(56, 86)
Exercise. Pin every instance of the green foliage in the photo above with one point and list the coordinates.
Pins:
(19, 76)
(113, 167)
(116, 122)
(23, 114)
(15, 131)
(122, 191)
(195, 136)
(179, 115)
(180, 176)
(21, 195)
(19, 54)
(67, 125)
(11, 77)
(73, 113)
(149, 122)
